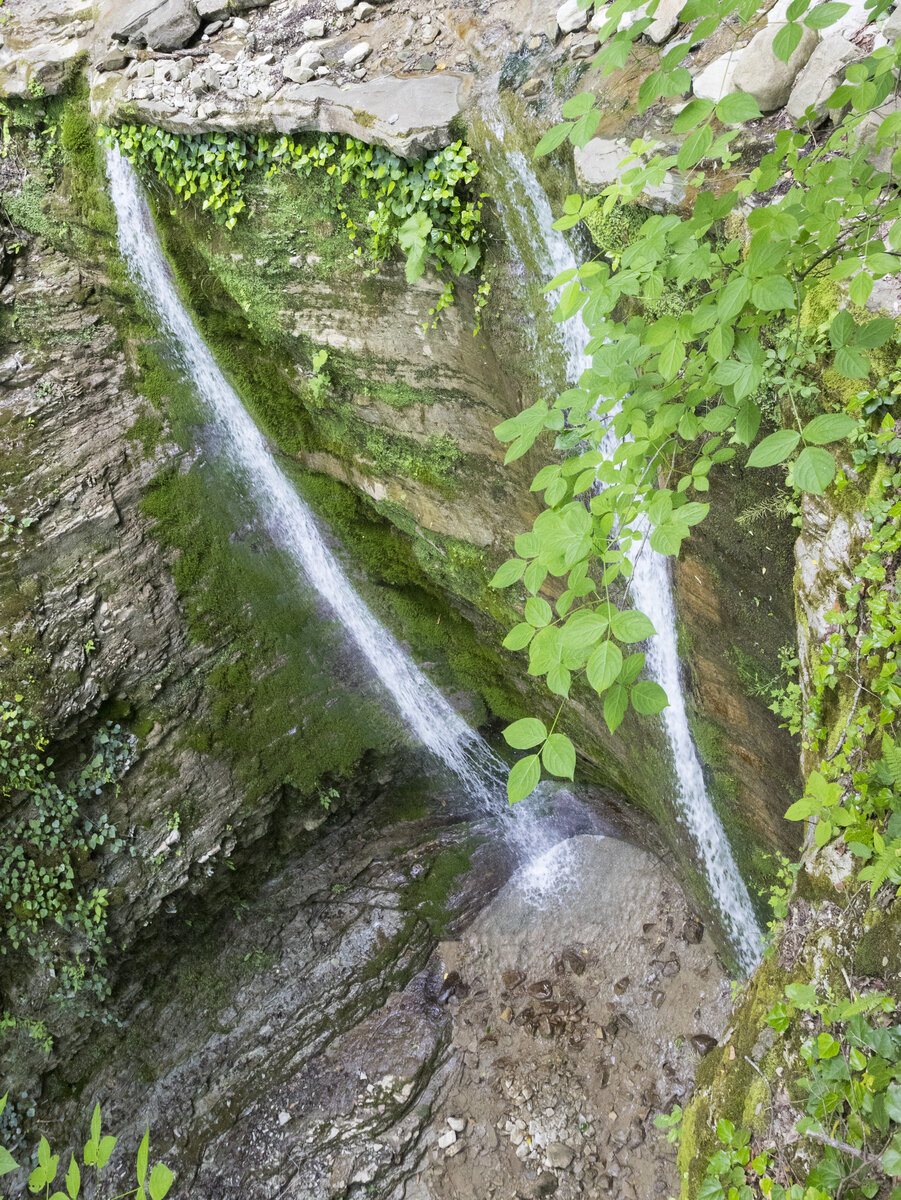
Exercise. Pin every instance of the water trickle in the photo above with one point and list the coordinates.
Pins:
(524, 207)
(432, 720)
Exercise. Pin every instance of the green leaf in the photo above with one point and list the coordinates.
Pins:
(526, 733)
(720, 342)
(631, 626)
(508, 572)
(73, 1179)
(672, 356)
(824, 15)
(559, 756)
(554, 137)
(874, 333)
(853, 364)
(814, 470)
(104, 1150)
(161, 1180)
(7, 1162)
(692, 115)
(773, 292)
(538, 612)
(648, 697)
(738, 108)
(631, 669)
(828, 427)
(519, 636)
(694, 148)
(802, 995)
(891, 1160)
(604, 666)
(860, 289)
(785, 43)
(616, 702)
(523, 778)
(143, 1153)
(585, 128)
(732, 299)
(577, 106)
(774, 449)
(842, 329)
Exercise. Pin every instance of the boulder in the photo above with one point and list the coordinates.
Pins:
(881, 154)
(114, 60)
(211, 10)
(570, 17)
(160, 24)
(598, 17)
(763, 75)
(717, 79)
(42, 67)
(666, 19)
(892, 27)
(825, 70)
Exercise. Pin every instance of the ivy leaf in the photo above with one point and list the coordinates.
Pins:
(508, 573)
(786, 41)
(616, 702)
(526, 733)
(523, 778)
(648, 697)
(813, 470)
(774, 449)
(604, 666)
(559, 756)
(828, 427)
(631, 626)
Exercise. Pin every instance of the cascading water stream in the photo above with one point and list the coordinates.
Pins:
(526, 211)
(290, 524)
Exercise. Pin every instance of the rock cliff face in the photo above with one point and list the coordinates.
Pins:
(285, 878)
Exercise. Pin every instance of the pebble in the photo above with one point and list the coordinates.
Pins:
(446, 1139)
(458, 1124)
(284, 1117)
(364, 11)
(426, 63)
(559, 1155)
(428, 34)
(313, 28)
(213, 27)
(240, 25)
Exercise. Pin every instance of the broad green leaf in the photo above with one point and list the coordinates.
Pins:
(7, 1162)
(828, 427)
(720, 342)
(648, 697)
(559, 680)
(891, 1160)
(874, 333)
(860, 288)
(604, 666)
(523, 778)
(813, 470)
(554, 137)
(672, 356)
(161, 1180)
(538, 611)
(774, 449)
(738, 108)
(785, 43)
(851, 363)
(585, 128)
(631, 626)
(632, 668)
(526, 733)
(842, 329)
(692, 513)
(616, 701)
(773, 292)
(694, 148)
(747, 422)
(559, 756)
(519, 636)
(104, 1150)
(824, 15)
(577, 106)
(508, 572)
(732, 299)
(694, 112)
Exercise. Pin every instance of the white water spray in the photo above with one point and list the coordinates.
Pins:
(526, 211)
(290, 524)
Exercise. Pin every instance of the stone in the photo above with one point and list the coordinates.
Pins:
(344, 5)
(586, 49)
(512, 979)
(446, 1139)
(284, 1117)
(532, 87)
(364, 11)
(458, 1124)
(298, 74)
(211, 79)
(356, 54)
(427, 34)
(763, 75)
(240, 25)
(166, 26)
(666, 19)
(116, 60)
(559, 1155)
(213, 28)
(657, 999)
(181, 69)
(535, 43)
(314, 28)
(145, 69)
(598, 17)
(703, 1043)
(570, 17)
(824, 71)
(717, 79)
(426, 63)
(211, 10)
(891, 30)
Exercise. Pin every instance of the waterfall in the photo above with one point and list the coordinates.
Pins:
(289, 522)
(524, 207)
